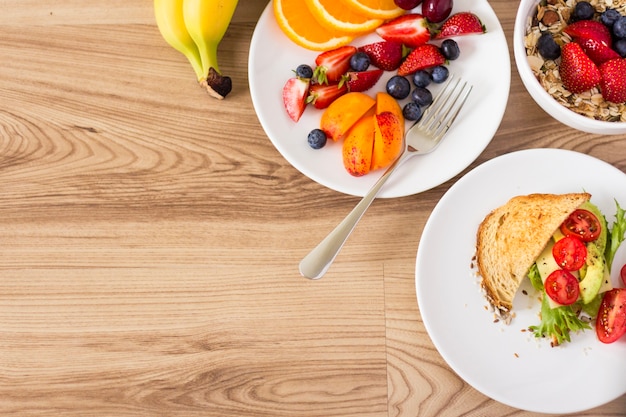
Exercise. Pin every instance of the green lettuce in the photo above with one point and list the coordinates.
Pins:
(557, 323)
(616, 235)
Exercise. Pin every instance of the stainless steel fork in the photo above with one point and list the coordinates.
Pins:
(422, 138)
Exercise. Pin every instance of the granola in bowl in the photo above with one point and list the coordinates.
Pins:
(553, 16)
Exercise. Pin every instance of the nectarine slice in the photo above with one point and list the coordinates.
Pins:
(344, 112)
(388, 139)
(358, 145)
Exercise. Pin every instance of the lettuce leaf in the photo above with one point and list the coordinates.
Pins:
(557, 323)
(616, 235)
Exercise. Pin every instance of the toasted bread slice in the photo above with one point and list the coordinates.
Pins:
(512, 236)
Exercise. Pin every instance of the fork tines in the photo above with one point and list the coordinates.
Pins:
(446, 105)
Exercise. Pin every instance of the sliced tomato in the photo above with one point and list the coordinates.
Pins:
(611, 320)
(570, 253)
(622, 273)
(562, 287)
(583, 224)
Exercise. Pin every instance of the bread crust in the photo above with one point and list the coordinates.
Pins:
(512, 236)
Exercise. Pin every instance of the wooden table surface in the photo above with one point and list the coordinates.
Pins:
(148, 256)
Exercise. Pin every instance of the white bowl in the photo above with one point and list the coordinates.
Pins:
(541, 96)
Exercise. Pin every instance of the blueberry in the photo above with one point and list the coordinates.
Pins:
(619, 28)
(547, 46)
(620, 47)
(422, 96)
(609, 16)
(439, 74)
(398, 87)
(304, 71)
(583, 11)
(450, 49)
(360, 61)
(317, 139)
(421, 78)
(411, 111)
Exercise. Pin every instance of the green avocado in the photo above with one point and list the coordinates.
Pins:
(594, 275)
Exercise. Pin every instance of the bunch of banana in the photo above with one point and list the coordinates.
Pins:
(195, 28)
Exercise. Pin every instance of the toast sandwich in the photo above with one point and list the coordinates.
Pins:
(512, 236)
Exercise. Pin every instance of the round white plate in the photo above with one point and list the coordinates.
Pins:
(504, 362)
(484, 62)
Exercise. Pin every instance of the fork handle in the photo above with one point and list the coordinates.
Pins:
(316, 263)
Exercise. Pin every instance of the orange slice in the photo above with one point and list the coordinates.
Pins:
(297, 22)
(375, 9)
(333, 15)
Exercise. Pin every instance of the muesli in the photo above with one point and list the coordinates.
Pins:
(553, 16)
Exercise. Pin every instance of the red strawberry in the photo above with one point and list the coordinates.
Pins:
(595, 39)
(589, 29)
(321, 95)
(331, 65)
(422, 57)
(385, 55)
(459, 24)
(613, 83)
(599, 52)
(410, 29)
(364, 80)
(578, 71)
(295, 93)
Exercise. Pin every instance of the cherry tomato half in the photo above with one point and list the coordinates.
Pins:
(622, 273)
(570, 253)
(583, 224)
(611, 320)
(562, 287)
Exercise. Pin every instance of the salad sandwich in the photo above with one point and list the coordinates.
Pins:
(563, 244)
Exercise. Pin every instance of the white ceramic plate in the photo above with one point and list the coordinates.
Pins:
(503, 362)
(484, 62)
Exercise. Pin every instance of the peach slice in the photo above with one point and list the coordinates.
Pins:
(388, 139)
(385, 102)
(358, 145)
(343, 113)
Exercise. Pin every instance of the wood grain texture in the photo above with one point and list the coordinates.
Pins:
(148, 255)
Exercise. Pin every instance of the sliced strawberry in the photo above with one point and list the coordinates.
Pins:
(385, 55)
(363, 80)
(589, 29)
(460, 24)
(295, 93)
(599, 52)
(578, 72)
(613, 83)
(321, 95)
(410, 29)
(331, 65)
(422, 57)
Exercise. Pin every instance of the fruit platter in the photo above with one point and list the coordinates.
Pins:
(482, 59)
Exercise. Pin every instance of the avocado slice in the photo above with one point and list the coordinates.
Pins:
(594, 275)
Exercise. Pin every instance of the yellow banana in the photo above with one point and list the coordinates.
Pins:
(206, 22)
(171, 24)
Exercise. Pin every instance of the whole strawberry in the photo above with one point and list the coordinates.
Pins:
(578, 72)
(613, 83)
(460, 24)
